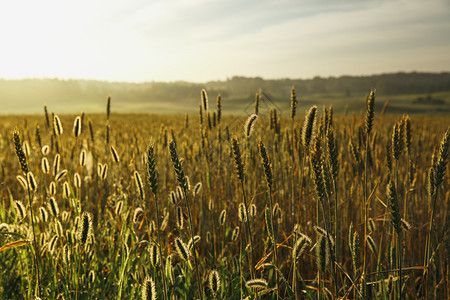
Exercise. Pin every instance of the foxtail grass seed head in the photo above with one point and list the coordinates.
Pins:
(431, 186)
(204, 96)
(59, 229)
(56, 164)
(52, 188)
(308, 126)
(84, 228)
(355, 252)
(165, 221)
(396, 144)
(20, 210)
(91, 131)
(293, 102)
(179, 192)
(103, 171)
(66, 190)
(77, 180)
(152, 175)
(179, 217)
(178, 168)
(370, 112)
(252, 211)
(394, 206)
(238, 159)
(269, 223)
(45, 166)
(61, 175)
(19, 152)
(196, 240)
(441, 164)
(32, 185)
(139, 185)
(371, 225)
(77, 127)
(23, 182)
(108, 107)
(137, 215)
(82, 158)
(43, 214)
(182, 249)
(408, 134)
(249, 125)
(154, 255)
(300, 246)
(197, 188)
(257, 284)
(57, 126)
(173, 198)
(219, 108)
(222, 217)
(257, 103)
(371, 244)
(332, 151)
(266, 164)
(242, 213)
(45, 150)
(114, 154)
(148, 289)
(235, 234)
(214, 282)
(53, 206)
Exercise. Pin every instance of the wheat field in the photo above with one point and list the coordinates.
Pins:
(308, 205)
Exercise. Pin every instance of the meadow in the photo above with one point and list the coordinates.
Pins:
(310, 205)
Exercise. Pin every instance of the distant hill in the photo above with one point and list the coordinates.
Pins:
(413, 92)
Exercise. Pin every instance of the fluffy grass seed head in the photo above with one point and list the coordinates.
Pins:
(57, 126)
(84, 228)
(222, 217)
(308, 126)
(269, 223)
(60, 175)
(19, 152)
(293, 102)
(242, 213)
(77, 127)
(56, 164)
(139, 185)
(204, 97)
(137, 215)
(148, 289)
(441, 164)
(249, 125)
(370, 112)
(82, 159)
(266, 164)
(299, 247)
(178, 168)
(152, 175)
(180, 217)
(182, 249)
(238, 159)
(53, 207)
(394, 207)
(257, 284)
(235, 234)
(45, 166)
(154, 255)
(20, 210)
(214, 282)
(114, 154)
(32, 185)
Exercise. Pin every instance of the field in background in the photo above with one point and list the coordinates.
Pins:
(116, 259)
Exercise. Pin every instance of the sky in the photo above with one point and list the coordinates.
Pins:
(203, 40)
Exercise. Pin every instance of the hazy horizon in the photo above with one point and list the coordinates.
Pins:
(207, 40)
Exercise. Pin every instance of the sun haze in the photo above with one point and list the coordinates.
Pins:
(200, 40)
